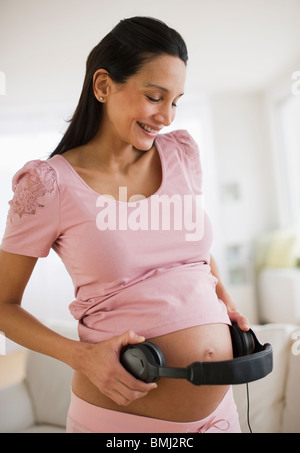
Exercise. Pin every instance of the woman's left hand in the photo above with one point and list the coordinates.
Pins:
(236, 316)
(222, 293)
(233, 312)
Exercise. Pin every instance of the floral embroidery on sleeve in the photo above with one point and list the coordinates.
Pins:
(191, 151)
(31, 184)
(193, 159)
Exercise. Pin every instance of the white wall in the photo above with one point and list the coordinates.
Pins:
(244, 159)
(246, 186)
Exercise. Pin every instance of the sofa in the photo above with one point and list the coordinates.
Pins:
(39, 403)
(277, 263)
(279, 294)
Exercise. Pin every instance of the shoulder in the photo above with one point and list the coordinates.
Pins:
(34, 182)
(187, 147)
(182, 138)
(35, 172)
(33, 220)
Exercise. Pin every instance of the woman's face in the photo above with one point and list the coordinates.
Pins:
(136, 111)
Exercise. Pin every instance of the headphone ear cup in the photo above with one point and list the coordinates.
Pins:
(242, 342)
(157, 355)
(142, 360)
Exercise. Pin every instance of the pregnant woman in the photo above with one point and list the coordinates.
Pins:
(120, 203)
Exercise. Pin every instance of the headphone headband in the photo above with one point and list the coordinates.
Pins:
(146, 362)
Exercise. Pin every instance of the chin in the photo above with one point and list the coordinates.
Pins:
(144, 145)
(144, 149)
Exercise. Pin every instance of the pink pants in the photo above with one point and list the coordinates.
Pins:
(84, 417)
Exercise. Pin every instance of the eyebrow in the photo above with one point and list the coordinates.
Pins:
(152, 85)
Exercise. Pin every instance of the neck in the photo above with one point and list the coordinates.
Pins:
(109, 152)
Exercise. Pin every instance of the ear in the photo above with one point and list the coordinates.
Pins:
(101, 84)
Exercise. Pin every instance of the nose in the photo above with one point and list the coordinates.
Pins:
(165, 115)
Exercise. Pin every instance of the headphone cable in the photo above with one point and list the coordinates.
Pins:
(248, 408)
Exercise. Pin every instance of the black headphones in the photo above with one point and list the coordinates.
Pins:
(252, 361)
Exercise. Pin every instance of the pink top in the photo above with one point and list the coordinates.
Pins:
(141, 265)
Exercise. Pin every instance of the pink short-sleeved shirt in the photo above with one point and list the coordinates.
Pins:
(142, 264)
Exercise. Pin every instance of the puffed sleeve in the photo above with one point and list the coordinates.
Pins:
(190, 157)
(33, 220)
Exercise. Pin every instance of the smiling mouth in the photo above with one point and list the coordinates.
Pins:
(148, 128)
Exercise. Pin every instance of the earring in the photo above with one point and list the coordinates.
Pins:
(101, 98)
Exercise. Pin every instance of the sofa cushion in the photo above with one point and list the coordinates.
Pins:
(267, 395)
(16, 412)
(43, 429)
(291, 414)
(49, 380)
(279, 295)
(49, 383)
(283, 249)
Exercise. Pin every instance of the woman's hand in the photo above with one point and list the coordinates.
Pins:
(236, 316)
(233, 312)
(101, 364)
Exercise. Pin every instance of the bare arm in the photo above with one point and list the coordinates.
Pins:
(19, 325)
(99, 362)
(223, 294)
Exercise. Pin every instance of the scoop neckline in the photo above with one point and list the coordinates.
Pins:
(111, 198)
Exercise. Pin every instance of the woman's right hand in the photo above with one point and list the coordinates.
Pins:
(101, 364)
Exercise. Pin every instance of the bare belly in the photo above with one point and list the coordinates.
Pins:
(174, 399)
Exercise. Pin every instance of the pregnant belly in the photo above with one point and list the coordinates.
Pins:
(174, 399)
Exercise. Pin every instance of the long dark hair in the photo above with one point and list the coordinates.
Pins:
(122, 53)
